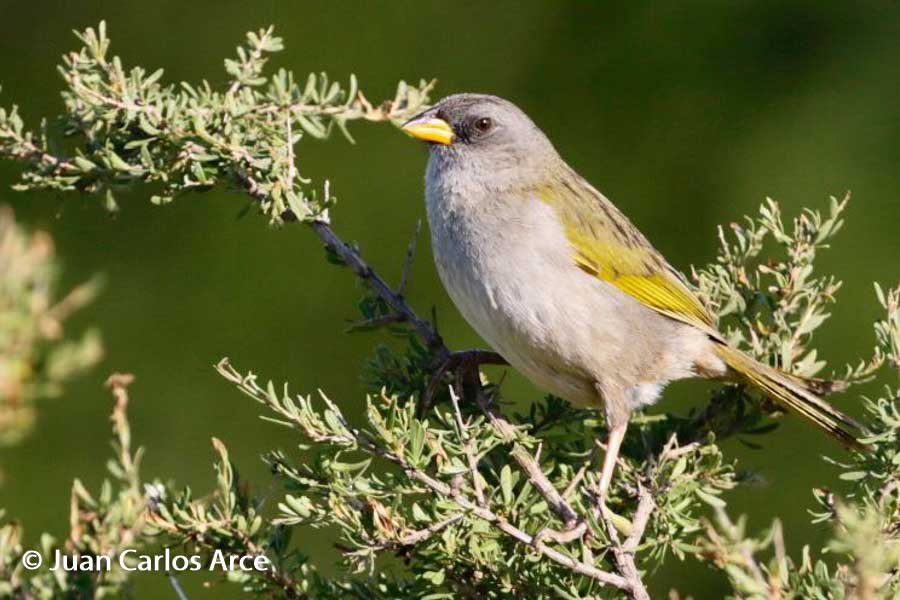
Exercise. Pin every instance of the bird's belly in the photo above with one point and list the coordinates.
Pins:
(541, 334)
(558, 326)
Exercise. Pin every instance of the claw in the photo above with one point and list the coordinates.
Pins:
(461, 364)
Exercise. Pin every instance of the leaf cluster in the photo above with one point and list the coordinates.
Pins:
(36, 359)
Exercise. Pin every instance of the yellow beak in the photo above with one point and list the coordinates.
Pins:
(430, 129)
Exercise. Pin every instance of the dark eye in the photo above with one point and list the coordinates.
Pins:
(484, 124)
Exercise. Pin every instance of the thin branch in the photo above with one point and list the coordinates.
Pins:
(573, 484)
(410, 256)
(289, 586)
(508, 528)
(623, 558)
(645, 508)
(477, 483)
(557, 503)
(562, 537)
(375, 322)
(379, 286)
(291, 160)
(351, 257)
(176, 585)
(255, 55)
(418, 536)
(34, 153)
(425, 533)
(536, 475)
(364, 441)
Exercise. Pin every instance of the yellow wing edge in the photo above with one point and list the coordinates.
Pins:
(661, 291)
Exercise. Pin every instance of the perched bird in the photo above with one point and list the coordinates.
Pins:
(561, 284)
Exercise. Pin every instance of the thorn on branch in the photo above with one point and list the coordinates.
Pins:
(375, 322)
(408, 261)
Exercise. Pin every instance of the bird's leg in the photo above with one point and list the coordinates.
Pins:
(616, 435)
(617, 415)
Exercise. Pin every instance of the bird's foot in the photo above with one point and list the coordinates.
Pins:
(461, 365)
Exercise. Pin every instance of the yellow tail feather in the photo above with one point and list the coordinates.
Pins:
(793, 393)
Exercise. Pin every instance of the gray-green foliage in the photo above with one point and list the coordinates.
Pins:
(35, 357)
(862, 559)
(133, 128)
(443, 491)
(105, 523)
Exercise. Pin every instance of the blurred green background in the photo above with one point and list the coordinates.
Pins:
(687, 116)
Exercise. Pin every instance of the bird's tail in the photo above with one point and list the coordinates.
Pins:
(794, 393)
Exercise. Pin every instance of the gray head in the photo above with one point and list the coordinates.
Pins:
(481, 132)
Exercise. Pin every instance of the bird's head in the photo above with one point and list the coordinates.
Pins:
(481, 131)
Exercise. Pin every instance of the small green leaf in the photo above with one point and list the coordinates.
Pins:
(710, 499)
(506, 485)
(435, 577)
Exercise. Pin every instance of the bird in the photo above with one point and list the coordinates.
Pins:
(562, 285)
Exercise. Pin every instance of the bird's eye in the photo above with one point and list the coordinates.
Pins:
(484, 124)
